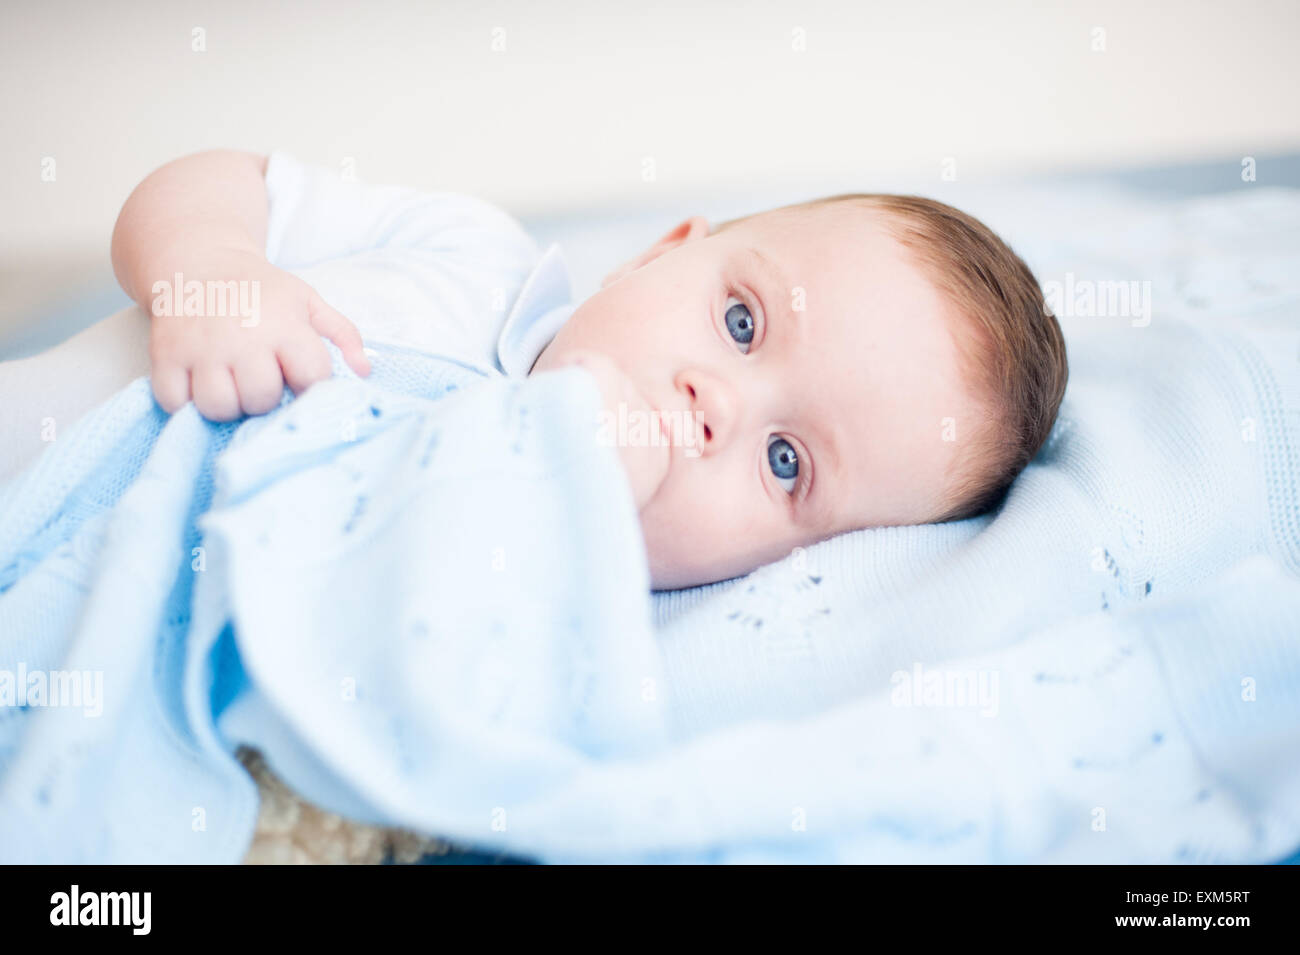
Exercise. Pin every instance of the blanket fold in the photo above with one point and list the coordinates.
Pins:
(400, 590)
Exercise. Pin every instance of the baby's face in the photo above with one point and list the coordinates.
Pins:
(814, 364)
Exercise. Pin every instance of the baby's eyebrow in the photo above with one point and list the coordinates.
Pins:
(777, 292)
(819, 510)
(762, 262)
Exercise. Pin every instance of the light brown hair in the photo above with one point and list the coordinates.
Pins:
(1012, 349)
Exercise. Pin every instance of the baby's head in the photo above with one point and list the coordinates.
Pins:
(851, 362)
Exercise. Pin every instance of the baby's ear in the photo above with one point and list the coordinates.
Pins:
(696, 227)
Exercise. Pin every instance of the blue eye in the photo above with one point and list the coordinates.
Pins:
(740, 324)
(783, 460)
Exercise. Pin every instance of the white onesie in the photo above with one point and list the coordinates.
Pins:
(440, 272)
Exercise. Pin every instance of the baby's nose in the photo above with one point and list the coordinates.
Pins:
(712, 406)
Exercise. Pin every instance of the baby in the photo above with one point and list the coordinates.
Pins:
(850, 362)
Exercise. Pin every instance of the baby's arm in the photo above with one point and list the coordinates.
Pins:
(204, 218)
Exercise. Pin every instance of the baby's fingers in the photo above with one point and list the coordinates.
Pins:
(304, 361)
(331, 324)
(259, 382)
(171, 386)
(214, 392)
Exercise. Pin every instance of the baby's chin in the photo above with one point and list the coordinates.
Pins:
(669, 577)
(678, 556)
(666, 577)
(674, 567)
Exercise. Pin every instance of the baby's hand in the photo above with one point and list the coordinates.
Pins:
(266, 333)
(645, 461)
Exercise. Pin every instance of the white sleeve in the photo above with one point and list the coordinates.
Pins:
(428, 270)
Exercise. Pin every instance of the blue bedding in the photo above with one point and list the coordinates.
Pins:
(1105, 670)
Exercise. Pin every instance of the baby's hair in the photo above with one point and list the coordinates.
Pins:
(1012, 351)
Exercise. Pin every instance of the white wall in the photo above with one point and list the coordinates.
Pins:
(584, 92)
